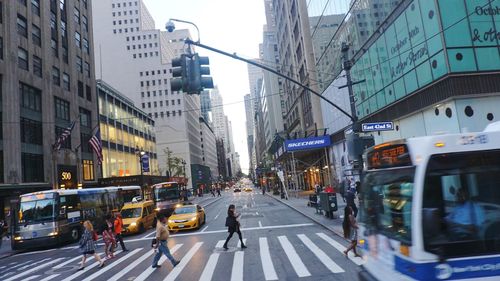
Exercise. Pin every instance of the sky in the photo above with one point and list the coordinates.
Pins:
(233, 26)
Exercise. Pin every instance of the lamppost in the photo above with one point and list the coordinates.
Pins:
(140, 153)
(170, 26)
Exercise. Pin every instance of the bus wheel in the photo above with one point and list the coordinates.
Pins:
(141, 228)
(75, 234)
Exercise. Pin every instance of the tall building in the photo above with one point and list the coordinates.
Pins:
(46, 82)
(125, 131)
(249, 128)
(208, 147)
(206, 106)
(125, 35)
(221, 159)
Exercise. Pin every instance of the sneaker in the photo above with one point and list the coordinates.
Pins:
(155, 266)
(101, 264)
(243, 246)
(225, 247)
(81, 268)
(176, 263)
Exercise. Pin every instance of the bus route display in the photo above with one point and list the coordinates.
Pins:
(388, 156)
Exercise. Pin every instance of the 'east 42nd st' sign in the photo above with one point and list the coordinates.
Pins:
(379, 126)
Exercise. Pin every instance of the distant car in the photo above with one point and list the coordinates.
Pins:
(237, 189)
(187, 217)
(248, 189)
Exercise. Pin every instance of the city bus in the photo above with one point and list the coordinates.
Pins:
(51, 217)
(430, 208)
(166, 195)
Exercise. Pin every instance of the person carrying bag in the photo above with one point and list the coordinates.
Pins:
(233, 225)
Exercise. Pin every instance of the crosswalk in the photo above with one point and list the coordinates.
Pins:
(305, 253)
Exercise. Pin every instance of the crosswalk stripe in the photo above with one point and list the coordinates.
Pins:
(244, 242)
(293, 257)
(237, 271)
(327, 261)
(87, 268)
(341, 248)
(220, 244)
(74, 259)
(208, 272)
(33, 264)
(29, 271)
(20, 264)
(31, 277)
(131, 266)
(267, 262)
(50, 277)
(106, 268)
(144, 275)
(184, 261)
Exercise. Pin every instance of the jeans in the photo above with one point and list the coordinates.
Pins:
(163, 249)
(119, 238)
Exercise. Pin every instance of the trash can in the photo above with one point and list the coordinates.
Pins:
(328, 201)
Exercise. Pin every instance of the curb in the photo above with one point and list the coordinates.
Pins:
(310, 217)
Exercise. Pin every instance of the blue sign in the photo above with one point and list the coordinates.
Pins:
(145, 163)
(379, 126)
(308, 143)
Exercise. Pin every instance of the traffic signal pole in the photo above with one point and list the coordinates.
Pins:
(234, 56)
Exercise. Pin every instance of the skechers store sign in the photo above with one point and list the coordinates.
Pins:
(308, 143)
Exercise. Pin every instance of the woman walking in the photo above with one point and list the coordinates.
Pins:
(87, 245)
(350, 230)
(109, 238)
(233, 225)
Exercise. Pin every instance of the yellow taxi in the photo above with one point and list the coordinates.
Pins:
(137, 217)
(187, 217)
(248, 189)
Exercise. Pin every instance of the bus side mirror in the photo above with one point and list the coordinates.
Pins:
(431, 222)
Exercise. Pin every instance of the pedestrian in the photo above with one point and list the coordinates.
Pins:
(161, 237)
(317, 188)
(350, 196)
(233, 225)
(218, 191)
(118, 225)
(212, 190)
(88, 244)
(108, 237)
(350, 227)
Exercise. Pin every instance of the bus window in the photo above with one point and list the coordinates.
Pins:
(69, 203)
(37, 211)
(387, 201)
(463, 190)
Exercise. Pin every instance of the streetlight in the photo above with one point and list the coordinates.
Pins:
(170, 26)
(140, 153)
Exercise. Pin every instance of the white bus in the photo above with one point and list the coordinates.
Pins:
(51, 217)
(430, 208)
(166, 195)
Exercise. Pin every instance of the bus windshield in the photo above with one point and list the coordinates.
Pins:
(36, 210)
(461, 204)
(163, 194)
(387, 201)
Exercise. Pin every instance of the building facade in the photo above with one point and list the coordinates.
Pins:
(208, 148)
(126, 35)
(47, 82)
(125, 131)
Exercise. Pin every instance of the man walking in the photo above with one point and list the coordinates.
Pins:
(118, 225)
(162, 235)
(350, 196)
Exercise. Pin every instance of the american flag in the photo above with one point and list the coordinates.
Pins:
(95, 143)
(64, 135)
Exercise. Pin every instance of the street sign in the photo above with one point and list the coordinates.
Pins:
(307, 143)
(379, 126)
(145, 163)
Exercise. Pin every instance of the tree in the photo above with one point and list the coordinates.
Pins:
(175, 165)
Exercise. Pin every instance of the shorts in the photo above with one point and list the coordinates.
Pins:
(89, 252)
(354, 235)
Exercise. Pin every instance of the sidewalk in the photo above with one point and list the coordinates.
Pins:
(299, 204)
(5, 250)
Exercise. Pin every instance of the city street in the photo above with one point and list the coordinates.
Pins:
(282, 245)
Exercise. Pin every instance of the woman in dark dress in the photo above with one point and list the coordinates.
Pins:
(233, 225)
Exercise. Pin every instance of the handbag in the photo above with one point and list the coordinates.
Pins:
(94, 236)
(229, 221)
(153, 242)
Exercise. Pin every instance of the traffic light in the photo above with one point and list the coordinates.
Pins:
(180, 73)
(200, 71)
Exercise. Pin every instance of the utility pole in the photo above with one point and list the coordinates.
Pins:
(169, 161)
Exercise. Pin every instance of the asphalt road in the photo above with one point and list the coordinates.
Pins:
(282, 245)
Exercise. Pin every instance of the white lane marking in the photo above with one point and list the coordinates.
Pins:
(208, 272)
(220, 243)
(106, 268)
(205, 228)
(21, 264)
(257, 213)
(293, 257)
(31, 277)
(217, 215)
(33, 264)
(327, 261)
(149, 234)
(260, 224)
(184, 261)
(29, 271)
(50, 277)
(244, 242)
(74, 259)
(341, 248)
(267, 262)
(2, 267)
(87, 268)
(131, 266)
(144, 275)
(237, 271)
